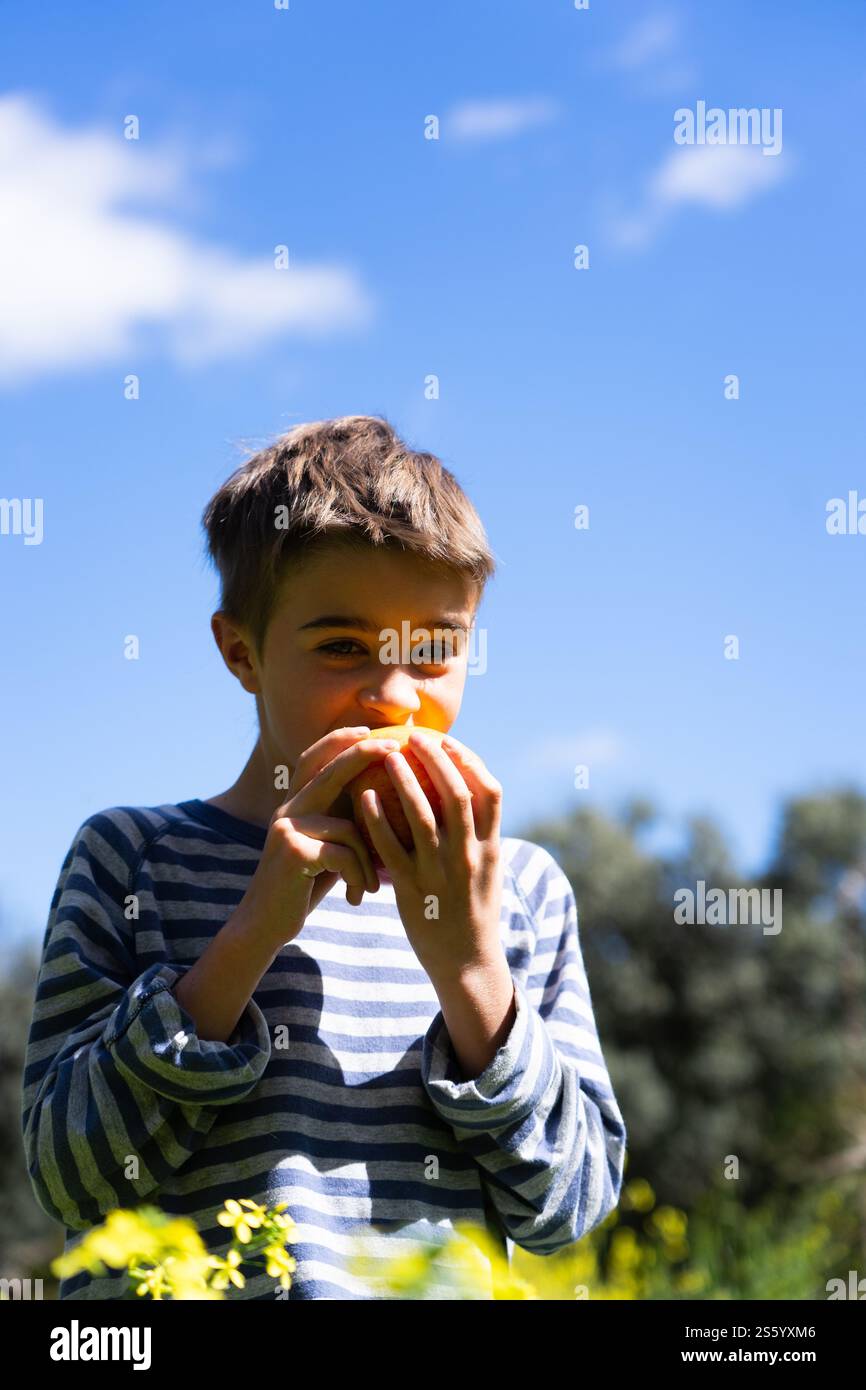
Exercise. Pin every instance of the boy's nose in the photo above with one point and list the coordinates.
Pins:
(393, 697)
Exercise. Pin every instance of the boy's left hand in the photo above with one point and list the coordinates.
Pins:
(449, 891)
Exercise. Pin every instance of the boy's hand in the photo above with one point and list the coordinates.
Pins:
(307, 850)
(449, 892)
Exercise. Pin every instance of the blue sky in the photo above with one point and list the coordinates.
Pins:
(455, 257)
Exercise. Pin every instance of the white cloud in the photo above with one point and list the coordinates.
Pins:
(652, 53)
(80, 278)
(650, 39)
(720, 177)
(495, 120)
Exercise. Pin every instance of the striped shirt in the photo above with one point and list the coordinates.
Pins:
(339, 1091)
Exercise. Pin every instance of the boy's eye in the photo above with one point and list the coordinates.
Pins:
(339, 645)
(433, 653)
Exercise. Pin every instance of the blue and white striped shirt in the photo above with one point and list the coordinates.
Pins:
(339, 1091)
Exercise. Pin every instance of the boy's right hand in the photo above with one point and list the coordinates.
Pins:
(306, 850)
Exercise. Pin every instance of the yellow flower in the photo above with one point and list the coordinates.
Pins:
(179, 1277)
(181, 1235)
(124, 1236)
(150, 1281)
(72, 1261)
(188, 1276)
(692, 1281)
(468, 1259)
(625, 1252)
(227, 1270)
(257, 1211)
(511, 1286)
(481, 1267)
(638, 1195)
(563, 1276)
(242, 1221)
(405, 1271)
(280, 1264)
(166, 1256)
(669, 1223)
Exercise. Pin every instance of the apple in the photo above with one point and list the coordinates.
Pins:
(377, 777)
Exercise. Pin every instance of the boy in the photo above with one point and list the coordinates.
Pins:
(214, 1018)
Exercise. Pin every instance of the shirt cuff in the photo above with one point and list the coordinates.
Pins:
(153, 1040)
(505, 1091)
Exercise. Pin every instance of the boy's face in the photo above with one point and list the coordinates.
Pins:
(338, 652)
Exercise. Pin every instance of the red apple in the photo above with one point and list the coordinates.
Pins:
(377, 777)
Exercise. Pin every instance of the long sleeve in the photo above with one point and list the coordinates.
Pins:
(541, 1120)
(118, 1089)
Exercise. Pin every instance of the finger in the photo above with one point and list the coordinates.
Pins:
(486, 790)
(314, 758)
(313, 856)
(416, 807)
(321, 792)
(335, 859)
(324, 883)
(388, 847)
(454, 793)
(337, 831)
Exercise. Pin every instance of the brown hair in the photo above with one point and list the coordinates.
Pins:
(352, 478)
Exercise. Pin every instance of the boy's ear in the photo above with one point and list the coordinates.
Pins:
(237, 651)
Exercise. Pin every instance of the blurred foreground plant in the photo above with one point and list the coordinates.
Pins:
(643, 1251)
(165, 1256)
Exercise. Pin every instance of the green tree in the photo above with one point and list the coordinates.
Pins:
(726, 1040)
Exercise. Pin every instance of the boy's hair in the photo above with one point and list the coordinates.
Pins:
(352, 479)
